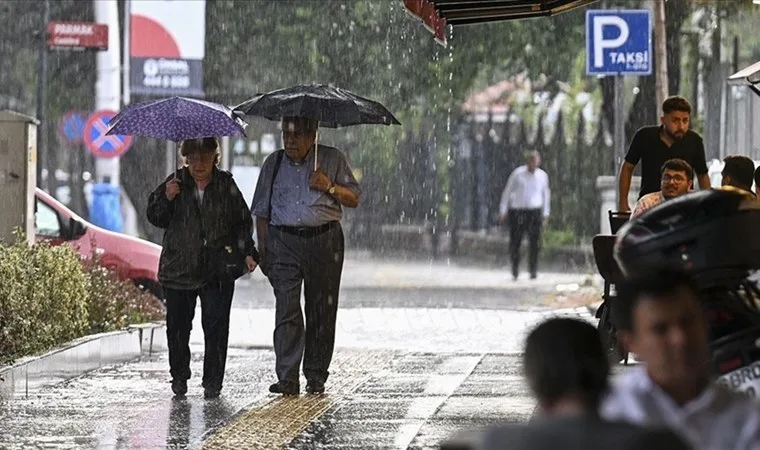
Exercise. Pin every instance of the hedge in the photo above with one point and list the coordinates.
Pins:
(49, 296)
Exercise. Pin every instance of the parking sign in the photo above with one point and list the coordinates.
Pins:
(618, 42)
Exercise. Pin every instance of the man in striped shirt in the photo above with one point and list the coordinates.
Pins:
(676, 180)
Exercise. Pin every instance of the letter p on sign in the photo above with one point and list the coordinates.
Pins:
(602, 44)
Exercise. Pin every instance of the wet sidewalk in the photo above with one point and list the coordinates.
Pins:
(376, 398)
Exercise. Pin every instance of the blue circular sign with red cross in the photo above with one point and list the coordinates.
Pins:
(71, 126)
(98, 142)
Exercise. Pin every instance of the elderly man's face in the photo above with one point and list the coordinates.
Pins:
(533, 163)
(674, 183)
(297, 137)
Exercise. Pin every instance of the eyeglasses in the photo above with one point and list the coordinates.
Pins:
(204, 158)
(296, 133)
(676, 178)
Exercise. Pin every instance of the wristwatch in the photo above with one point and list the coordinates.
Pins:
(331, 191)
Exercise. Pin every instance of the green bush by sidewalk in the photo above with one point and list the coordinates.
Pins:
(49, 296)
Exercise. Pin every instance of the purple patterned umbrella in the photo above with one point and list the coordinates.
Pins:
(177, 119)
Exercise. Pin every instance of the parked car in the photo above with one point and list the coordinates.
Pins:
(131, 258)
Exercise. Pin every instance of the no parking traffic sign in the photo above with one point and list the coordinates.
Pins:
(98, 142)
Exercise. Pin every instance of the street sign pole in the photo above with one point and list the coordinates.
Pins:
(619, 127)
(42, 154)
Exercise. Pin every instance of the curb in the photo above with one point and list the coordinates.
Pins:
(80, 356)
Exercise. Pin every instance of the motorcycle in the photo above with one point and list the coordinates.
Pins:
(713, 237)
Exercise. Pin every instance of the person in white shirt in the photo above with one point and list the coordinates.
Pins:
(525, 207)
(662, 322)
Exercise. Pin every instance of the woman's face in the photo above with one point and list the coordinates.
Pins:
(200, 164)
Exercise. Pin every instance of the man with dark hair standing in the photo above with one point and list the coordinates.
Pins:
(566, 368)
(738, 171)
(663, 323)
(653, 145)
(676, 180)
(298, 211)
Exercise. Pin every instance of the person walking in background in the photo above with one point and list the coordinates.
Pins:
(653, 145)
(738, 172)
(298, 212)
(203, 213)
(525, 207)
(676, 180)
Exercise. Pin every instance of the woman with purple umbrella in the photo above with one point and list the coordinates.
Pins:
(207, 224)
(208, 240)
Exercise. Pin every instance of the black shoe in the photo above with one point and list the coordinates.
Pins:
(211, 392)
(285, 388)
(179, 387)
(315, 387)
(533, 276)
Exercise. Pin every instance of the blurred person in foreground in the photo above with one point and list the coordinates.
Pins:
(653, 145)
(524, 208)
(566, 369)
(665, 327)
(739, 172)
(676, 180)
(202, 210)
(298, 212)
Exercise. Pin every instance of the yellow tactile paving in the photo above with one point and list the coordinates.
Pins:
(276, 423)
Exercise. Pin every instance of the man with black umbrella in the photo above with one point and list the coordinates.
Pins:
(298, 212)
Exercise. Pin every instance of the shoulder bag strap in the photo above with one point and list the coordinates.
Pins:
(277, 162)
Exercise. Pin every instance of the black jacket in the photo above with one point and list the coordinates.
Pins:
(225, 217)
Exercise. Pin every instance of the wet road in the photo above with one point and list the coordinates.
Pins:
(423, 351)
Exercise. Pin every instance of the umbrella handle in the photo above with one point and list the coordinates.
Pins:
(316, 146)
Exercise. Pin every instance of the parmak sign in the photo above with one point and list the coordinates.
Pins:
(77, 35)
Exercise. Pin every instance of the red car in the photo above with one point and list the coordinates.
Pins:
(131, 258)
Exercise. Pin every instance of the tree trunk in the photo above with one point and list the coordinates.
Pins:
(661, 52)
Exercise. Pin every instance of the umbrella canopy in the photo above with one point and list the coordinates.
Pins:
(331, 106)
(177, 119)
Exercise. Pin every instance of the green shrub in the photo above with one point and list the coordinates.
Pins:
(113, 304)
(43, 297)
(48, 296)
(552, 239)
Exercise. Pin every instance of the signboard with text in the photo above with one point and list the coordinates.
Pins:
(618, 42)
(167, 45)
(77, 36)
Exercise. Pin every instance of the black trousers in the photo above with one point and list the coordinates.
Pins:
(316, 262)
(522, 221)
(216, 301)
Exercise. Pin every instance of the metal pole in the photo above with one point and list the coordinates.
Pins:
(42, 101)
(126, 82)
(619, 135)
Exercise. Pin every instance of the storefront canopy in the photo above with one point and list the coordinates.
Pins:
(748, 76)
(437, 14)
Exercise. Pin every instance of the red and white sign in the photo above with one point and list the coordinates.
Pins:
(167, 46)
(100, 143)
(77, 35)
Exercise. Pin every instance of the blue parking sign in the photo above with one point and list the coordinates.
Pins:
(618, 42)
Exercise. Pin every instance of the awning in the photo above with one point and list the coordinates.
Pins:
(436, 14)
(748, 76)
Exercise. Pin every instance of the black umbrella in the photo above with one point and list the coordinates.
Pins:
(330, 106)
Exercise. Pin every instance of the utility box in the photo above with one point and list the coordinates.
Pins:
(18, 174)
